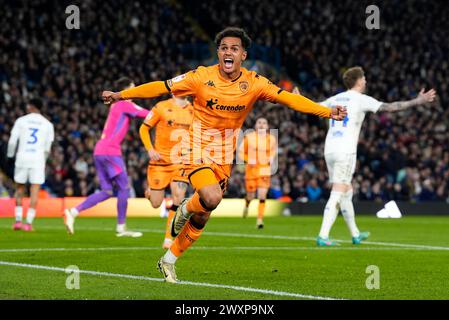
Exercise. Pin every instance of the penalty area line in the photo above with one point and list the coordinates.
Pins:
(188, 283)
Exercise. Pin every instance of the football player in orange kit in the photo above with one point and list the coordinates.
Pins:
(258, 150)
(224, 94)
(166, 117)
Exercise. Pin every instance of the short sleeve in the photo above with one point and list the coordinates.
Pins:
(369, 104)
(183, 85)
(153, 117)
(266, 89)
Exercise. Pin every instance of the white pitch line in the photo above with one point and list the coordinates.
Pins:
(198, 284)
(19, 250)
(281, 237)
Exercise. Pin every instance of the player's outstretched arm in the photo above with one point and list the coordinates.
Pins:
(422, 98)
(145, 91)
(302, 104)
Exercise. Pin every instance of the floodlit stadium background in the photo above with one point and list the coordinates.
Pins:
(401, 156)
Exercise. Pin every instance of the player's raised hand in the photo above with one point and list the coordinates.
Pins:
(154, 155)
(110, 97)
(425, 97)
(338, 113)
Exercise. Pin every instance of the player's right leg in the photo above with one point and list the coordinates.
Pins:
(156, 197)
(250, 195)
(262, 195)
(21, 176)
(335, 169)
(158, 178)
(346, 205)
(191, 217)
(251, 188)
(101, 165)
(31, 213)
(20, 191)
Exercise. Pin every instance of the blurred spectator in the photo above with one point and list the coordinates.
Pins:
(313, 190)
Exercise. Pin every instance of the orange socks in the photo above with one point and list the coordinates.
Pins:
(194, 205)
(261, 209)
(171, 213)
(185, 239)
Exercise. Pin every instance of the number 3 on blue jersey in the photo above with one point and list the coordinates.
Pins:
(345, 122)
(33, 136)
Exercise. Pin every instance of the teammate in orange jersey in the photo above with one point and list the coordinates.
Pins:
(164, 169)
(258, 150)
(224, 95)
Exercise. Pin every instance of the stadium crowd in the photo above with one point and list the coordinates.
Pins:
(401, 156)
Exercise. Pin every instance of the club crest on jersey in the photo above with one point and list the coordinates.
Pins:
(243, 85)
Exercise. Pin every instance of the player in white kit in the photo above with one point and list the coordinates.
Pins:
(34, 134)
(340, 150)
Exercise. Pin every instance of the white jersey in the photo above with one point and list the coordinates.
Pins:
(35, 134)
(343, 136)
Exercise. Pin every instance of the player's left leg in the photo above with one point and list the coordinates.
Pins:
(105, 175)
(250, 195)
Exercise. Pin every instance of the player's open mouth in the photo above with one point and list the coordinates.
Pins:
(228, 63)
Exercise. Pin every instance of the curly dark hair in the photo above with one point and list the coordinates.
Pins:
(234, 32)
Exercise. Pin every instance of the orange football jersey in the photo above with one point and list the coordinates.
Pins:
(220, 108)
(171, 123)
(258, 150)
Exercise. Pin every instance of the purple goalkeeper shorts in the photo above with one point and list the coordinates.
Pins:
(111, 169)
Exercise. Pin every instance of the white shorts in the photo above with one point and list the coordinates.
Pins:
(32, 175)
(341, 167)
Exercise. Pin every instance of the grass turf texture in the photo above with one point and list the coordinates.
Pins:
(230, 252)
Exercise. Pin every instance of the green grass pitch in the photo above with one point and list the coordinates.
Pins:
(232, 260)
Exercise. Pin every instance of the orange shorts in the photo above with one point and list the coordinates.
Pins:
(257, 176)
(252, 184)
(221, 174)
(159, 176)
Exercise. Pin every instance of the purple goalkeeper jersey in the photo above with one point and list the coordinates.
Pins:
(116, 127)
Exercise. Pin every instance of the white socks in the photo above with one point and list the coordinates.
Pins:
(74, 212)
(169, 257)
(347, 210)
(31, 213)
(121, 228)
(330, 213)
(19, 214)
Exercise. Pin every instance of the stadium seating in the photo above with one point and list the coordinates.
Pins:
(401, 156)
